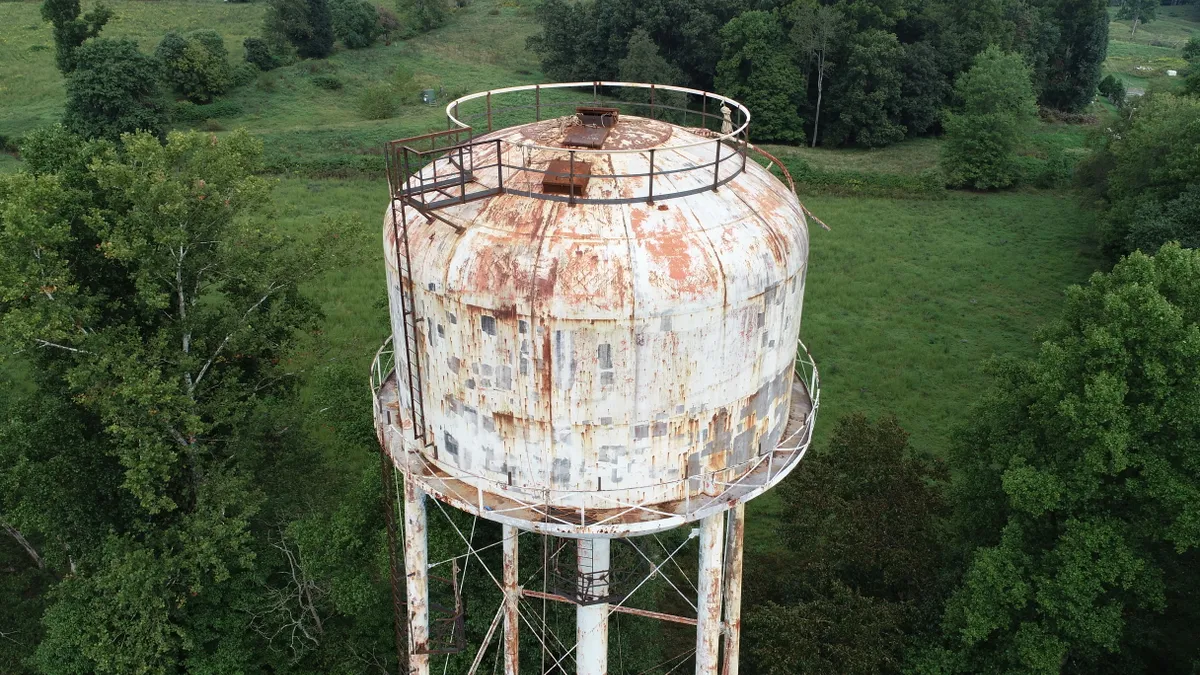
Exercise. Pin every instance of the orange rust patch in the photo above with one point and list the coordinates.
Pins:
(671, 251)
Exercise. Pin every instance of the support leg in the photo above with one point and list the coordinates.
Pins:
(733, 587)
(708, 605)
(512, 596)
(416, 568)
(591, 621)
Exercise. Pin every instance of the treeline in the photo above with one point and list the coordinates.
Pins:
(850, 72)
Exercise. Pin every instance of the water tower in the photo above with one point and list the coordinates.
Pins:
(595, 310)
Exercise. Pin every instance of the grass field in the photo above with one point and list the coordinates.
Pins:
(1142, 58)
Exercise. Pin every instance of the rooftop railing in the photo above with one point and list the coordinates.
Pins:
(466, 167)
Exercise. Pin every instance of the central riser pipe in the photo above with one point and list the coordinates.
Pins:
(591, 621)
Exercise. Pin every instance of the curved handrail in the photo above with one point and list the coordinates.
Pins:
(738, 131)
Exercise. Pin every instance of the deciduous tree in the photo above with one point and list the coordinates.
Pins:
(997, 106)
(1153, 160)
(71, 30)
(865, 557)
(113, 90)
(355, 22)
(158, 304)
(817, 33)
(755, 69)
(867, 96)
(1138, 12)
(1077, 54)
(1079, 483)
(196, 66)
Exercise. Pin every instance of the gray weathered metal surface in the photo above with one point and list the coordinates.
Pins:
(708, 594)
(734, 536)
(607, 354)
(416, 566)
(512, 601)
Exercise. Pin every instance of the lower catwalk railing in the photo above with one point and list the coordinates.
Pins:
(753, 476)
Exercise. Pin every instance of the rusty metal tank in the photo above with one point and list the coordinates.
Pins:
(596, 325)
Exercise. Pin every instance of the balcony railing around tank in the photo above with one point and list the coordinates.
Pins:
(751, 477)
(458, 174)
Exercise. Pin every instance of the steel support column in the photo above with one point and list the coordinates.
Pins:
(736, 528)
(708, 602)
(591, 621)
(416, 567)
(512, 598)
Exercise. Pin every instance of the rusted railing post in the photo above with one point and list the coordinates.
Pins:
(537, 103)
(717, 166)
(650, 180)
(489, 111)
(462, 176)
(571, 182)
(651, 100)
(704, 112)
(745, 144)
(499, 166)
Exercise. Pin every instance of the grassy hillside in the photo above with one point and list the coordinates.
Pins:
(478, 49)
(1145, 57)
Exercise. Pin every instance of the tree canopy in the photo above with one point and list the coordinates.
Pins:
(113, 90)
(997, 107)
(1080, 485)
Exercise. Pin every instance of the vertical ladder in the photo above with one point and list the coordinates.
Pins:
(412, 353)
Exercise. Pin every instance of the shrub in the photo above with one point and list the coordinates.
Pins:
(1191, 50)
(304, 24)
(355, 22)
(195, 66)
(258, 54)
(1066, 116)
(242, 75)
(113, 90)
(981, 140)
(377, 103)
(267, 82)
(387, 23)
(327, 82)
(186, 112)
(422, 15)
(1113, 89)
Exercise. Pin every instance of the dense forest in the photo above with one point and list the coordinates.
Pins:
(190, 479)
(877, 70)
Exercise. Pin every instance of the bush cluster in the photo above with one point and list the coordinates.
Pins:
(259, 54)
(377, 103)
(355, 22)
(186, 112)
(196, 65)
(327, 82)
